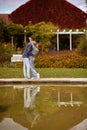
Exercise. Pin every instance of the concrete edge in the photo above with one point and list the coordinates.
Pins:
(52, 81)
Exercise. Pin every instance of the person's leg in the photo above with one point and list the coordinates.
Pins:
(26, 68)
(27, 98)
(32, 68)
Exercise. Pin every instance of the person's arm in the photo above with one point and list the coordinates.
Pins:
(29, 49)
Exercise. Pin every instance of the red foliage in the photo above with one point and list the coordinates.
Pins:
(59, 12)
(62, 59)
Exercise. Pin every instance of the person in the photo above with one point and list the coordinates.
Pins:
(29, 96)
(26, 63)
(30, 109)
(35, 50)
(28, 56)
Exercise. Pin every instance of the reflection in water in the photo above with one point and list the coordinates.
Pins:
(66, 103)
(29, 96)
(81, 126)
(31, 111)
(43, 108)
(9, 124)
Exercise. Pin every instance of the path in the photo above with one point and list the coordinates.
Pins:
(45, 81)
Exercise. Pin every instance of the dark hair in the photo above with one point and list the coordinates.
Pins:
(39, 46)
(37, 40)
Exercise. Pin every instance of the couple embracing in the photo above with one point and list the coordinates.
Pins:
(31, 50)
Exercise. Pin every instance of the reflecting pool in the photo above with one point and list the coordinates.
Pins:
(30, 107)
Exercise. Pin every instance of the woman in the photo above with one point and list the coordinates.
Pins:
(35, 50)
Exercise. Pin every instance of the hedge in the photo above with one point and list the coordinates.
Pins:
(64, 59)
(68, 59)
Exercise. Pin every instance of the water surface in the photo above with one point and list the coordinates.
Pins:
(43, 107)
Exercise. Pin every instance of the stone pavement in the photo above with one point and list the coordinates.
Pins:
(45, 81)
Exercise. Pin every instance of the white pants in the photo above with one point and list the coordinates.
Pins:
(26, 67)
(32, 67)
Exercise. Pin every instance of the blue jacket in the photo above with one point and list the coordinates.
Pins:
(28, 51)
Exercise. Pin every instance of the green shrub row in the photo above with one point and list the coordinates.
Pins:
(69, 59)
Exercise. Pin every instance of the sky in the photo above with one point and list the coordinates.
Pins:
(8, 6)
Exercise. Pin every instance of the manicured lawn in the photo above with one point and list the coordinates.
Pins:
(45, 72)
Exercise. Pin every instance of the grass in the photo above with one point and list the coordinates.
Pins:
(45, 72)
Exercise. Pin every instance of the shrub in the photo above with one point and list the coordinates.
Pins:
(82, 47)
(5, 52)
(62, 59)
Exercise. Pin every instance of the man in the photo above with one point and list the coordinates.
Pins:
(26, 63)
(29, 53)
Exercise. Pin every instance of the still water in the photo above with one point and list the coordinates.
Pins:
(24, 107)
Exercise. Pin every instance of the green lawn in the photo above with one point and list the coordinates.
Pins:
(45, 72)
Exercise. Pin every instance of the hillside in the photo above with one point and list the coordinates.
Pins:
(59, 12)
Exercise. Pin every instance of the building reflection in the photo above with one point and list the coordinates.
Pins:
(9, 124)
(30, 109)
(71, 102)
(81, 126)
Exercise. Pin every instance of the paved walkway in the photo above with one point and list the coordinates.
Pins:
(45, 81)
